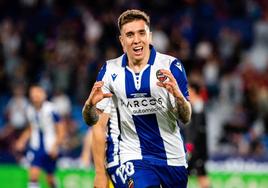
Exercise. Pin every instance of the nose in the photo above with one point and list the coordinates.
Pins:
(136, 38)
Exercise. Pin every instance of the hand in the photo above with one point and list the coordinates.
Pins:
(96, 94)
(170, 84)
(101, 181)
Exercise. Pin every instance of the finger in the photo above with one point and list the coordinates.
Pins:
(169, 88)
(160, 84)
(166, 85)
(98, 84)
(168, 74)
(107, 95)
(173, 85)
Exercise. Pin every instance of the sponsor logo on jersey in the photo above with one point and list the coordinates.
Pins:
(138, 95)
(178, 65)
(160, 76)
(114, 76)
(144, 105)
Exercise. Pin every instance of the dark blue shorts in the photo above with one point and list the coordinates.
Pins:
(42, 160)
(142, 174)
(117, 181)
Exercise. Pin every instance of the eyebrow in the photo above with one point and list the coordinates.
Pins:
(139, 31)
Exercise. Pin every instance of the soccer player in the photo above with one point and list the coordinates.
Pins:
(150, 91)
(45, 133)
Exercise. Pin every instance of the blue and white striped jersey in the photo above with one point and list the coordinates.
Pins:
(149, 126)
(43, 130)
(112, 146)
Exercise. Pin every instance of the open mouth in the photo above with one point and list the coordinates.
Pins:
(138, 50)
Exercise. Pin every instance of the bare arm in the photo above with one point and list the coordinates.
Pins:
(183, 107)
(21, 142)
(86, 151)
(60, 128)
(60, 134)
(98, 151)
(89, 112)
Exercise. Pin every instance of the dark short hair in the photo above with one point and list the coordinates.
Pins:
(131, 15)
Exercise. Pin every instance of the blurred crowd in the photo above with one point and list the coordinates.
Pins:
(61, 44)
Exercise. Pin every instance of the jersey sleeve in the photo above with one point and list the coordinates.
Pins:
(103, 76)
(102, 72)
(104, 104)
(55, 114)
(179, 73)
(56, 117)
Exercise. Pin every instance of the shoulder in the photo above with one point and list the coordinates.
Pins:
(29, 109)
(49, 106)
(164, 57)
(117, 62)
(109, 65)
(168, 60)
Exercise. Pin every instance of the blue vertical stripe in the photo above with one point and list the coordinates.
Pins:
(40, 132)
(130, 83)
(151, 142)
(110, 145)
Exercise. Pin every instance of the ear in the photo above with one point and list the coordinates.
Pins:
(150, 37)
(121, 39)
(122, 42)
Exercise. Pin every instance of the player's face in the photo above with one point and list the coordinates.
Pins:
(37, 95)
(135, 39)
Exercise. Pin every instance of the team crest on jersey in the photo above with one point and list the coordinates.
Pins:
(114, 76)
(130, 183)
(160, 76)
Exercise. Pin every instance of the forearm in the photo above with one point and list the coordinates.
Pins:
(60, 129)
(99, 143)
(25, 136)
(98, 149)
(184, 109)
(90, 114)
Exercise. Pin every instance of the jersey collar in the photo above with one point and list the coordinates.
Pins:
(151, 58)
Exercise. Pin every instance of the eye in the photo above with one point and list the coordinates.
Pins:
(129, 35)
(142, 33)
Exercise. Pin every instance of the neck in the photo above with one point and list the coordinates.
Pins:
(137, 66)
(37, 106)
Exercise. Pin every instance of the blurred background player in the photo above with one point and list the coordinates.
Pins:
(45, 133)
(15, 114)
(196, 141)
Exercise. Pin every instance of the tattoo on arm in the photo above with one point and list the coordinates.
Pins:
(183, 110)
(90, 115)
